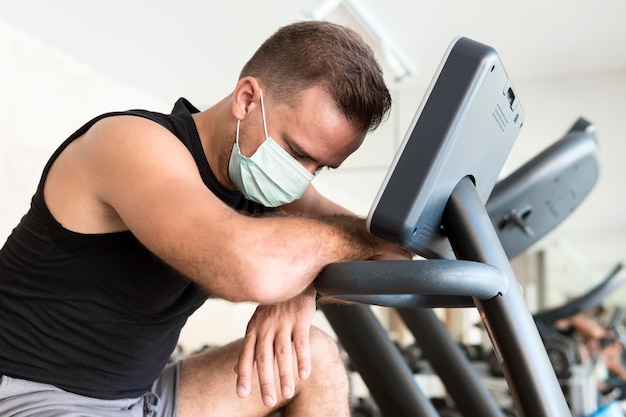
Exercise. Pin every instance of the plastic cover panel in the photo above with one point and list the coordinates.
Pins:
(465, 126)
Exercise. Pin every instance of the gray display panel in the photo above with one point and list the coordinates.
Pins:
(465, 126)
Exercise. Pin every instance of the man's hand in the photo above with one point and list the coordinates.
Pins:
(392, 252)
(276, 334)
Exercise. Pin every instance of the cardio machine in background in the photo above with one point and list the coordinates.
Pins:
(573, 364)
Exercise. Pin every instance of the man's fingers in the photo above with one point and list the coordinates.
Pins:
(265, 368)
(245, 366)
(303, 351)
(284, 361)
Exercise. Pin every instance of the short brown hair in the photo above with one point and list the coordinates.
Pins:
(304, 54)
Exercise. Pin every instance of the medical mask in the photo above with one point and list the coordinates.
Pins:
(270, 176)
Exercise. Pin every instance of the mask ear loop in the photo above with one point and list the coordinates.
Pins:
(237, 133)
(263, 113)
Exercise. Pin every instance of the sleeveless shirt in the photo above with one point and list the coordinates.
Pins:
(96, 314)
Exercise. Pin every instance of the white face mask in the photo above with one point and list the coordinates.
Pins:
(270, 176)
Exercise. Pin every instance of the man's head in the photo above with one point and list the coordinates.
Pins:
(304, 101)
(333, 57)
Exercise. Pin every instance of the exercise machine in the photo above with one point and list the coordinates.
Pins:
(433, 202)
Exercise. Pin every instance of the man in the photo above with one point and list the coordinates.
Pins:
(140, 216)
(599, 345)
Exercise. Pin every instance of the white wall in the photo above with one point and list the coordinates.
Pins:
(45, 96)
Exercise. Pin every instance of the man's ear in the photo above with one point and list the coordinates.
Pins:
(245, 97)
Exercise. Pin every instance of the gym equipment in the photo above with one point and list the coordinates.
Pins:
(470, 109)
(574, 376)
(587, 301)
(433, 203)
(530, 202)
(577, 147)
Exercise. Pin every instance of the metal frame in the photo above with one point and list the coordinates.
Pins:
(523, 358)
(524, 361)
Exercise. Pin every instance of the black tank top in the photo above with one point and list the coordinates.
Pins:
(96, 314)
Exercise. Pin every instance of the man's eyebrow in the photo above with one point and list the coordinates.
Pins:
(302, 152)
(306, 155)
(297, 149)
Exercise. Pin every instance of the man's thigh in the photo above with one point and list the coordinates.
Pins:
(207, 386)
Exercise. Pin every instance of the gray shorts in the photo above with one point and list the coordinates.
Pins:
(21, 398)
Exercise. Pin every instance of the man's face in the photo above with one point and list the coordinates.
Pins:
(312, 130)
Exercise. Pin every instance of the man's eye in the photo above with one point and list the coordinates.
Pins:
(297, 154)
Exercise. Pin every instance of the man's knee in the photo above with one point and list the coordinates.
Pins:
(325, 353)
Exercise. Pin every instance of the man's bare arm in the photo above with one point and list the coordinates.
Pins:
(136, 175)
